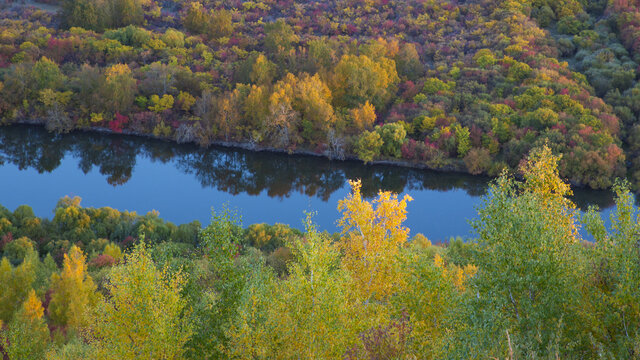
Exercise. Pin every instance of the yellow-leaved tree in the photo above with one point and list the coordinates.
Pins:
(358, 79)
(372, 235)
(364, 117)
(542, 178)
(119, 88)
(32, 307)
(144, 315)
(305, 100)
(27, 336)
(74, 293)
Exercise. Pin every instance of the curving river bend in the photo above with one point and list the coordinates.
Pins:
(183, 182)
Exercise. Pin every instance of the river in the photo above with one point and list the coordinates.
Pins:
(183, 182)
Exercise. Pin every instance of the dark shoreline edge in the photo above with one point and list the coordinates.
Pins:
(249, 146)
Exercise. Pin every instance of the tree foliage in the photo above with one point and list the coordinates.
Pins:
(27, 336)
(372, 234)
(436, 68)
(143, 315)
(74, 292)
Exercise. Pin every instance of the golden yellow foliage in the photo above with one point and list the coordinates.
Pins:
(422, 241)
(541, 174)
(457, 275)
(312, 314)
(364, 117)
(114, 251)
(116, 70)
(33, 307)
(74, 292)
(15, 283)
(309, 98)
(371, 239)
(27, 336)
(255, 107)
(186, 101)
(69, 214)
(381, 75)
(542, 178)
(144, 315)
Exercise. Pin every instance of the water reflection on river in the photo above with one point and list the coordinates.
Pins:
(183, 182)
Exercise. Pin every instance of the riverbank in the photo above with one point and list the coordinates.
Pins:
(457, 167)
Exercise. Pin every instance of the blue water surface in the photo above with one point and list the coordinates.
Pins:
(184, 182)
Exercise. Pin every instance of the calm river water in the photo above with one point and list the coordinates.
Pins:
(183, 182)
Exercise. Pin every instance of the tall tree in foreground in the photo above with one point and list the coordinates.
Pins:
(216, 303)
(248, 333)
(616, 276)
(528, 282)
(435, 290)
(312, 314)
(74, 293)
(144, 315)
(372, 234)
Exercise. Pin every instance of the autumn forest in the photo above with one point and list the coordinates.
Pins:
(540, 95)
(453, 85)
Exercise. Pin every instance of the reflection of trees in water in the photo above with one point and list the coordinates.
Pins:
(222, 171)
(114, 157)
(252, 173)
(31, 148)
(233, 171)
(401, 179)
(584, 198)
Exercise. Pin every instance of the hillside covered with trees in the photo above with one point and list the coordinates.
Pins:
(104, 284)
(455, 85)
